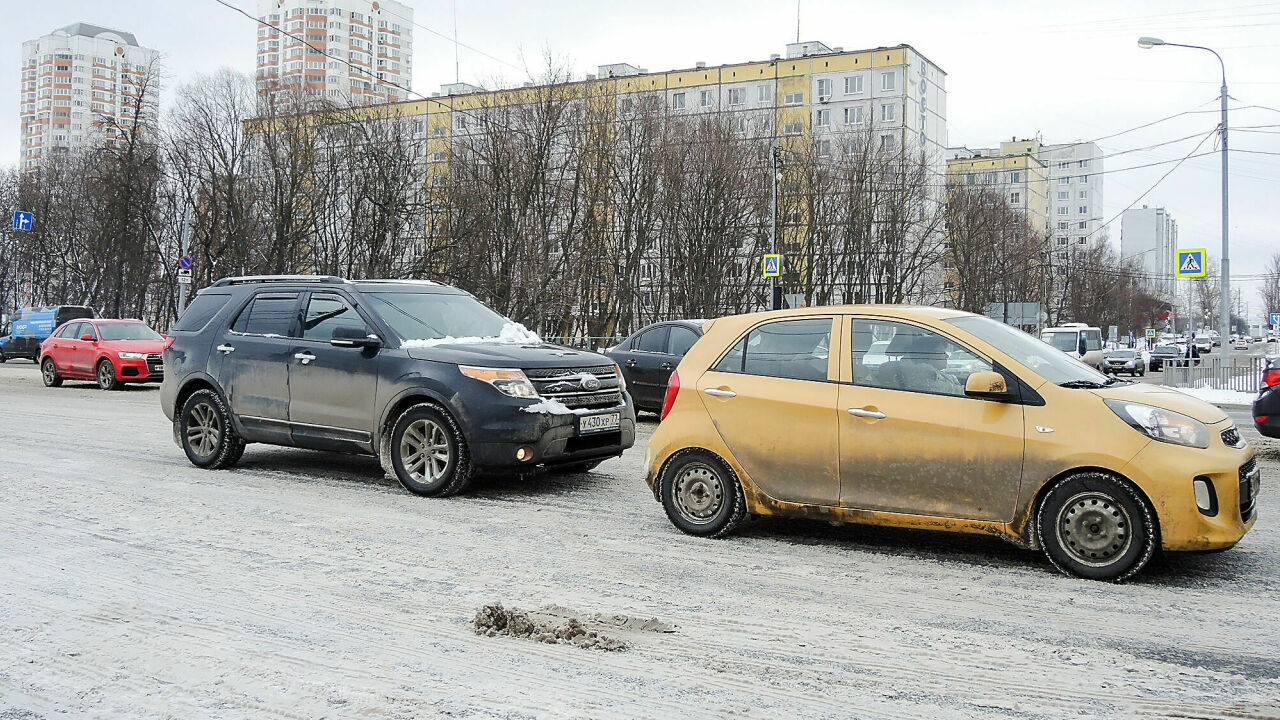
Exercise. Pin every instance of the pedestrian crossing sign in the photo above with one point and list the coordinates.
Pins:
(772, 265)
(1191, 263)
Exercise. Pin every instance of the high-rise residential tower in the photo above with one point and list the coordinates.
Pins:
(84, 86)
(1150, 236)
(357, 51)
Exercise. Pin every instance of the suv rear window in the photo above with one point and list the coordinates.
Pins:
(200, 312)
(268, 314)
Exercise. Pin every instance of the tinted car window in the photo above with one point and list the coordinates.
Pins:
(919, 360)
(268, 314)
(680, 340)
(795, 349)
(654, 341)
(325, 313)
(200, 312)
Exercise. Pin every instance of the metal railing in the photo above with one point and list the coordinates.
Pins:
(1242, 373)
(586, 342)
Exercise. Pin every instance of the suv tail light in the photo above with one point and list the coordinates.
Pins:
(673, 388)
(168, 341)
(1271, 377)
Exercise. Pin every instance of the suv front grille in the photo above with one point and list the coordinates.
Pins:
(1231, 437)
(155, 364)
(1249, 482)
(578, 387)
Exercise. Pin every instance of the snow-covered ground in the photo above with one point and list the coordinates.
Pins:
(1219, 397)
(308, 585)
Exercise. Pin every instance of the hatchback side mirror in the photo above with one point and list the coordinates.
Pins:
(987, 384)
(352, 336)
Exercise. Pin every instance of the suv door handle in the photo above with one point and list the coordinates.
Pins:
(720, 393)
(631, 362)
(305, 356)
(666, 366)
(226, 349)
(859, 412)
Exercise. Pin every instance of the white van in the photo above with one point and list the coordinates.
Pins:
(1078, 340)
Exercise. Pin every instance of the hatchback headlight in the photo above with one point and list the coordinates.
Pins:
(508, 381)
(131, 355)
(1160, 424)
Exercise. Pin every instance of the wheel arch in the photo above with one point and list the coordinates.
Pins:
(405, 400)
(1028, 531)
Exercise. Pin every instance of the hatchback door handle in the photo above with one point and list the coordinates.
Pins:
(631, 362)
(859, 412)
(305, 356)
(226, 349)
(720, 393)
(666, 366)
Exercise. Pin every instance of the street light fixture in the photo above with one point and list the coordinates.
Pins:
(1224, 319)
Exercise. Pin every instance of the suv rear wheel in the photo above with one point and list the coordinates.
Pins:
(208, 437)
(428, 453)
(49, 372)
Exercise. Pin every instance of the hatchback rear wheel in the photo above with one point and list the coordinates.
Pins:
(1096, 526)
(701, 494)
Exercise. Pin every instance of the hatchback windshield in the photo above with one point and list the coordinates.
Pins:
(432, 316)
(127, 331)
(1043, 359)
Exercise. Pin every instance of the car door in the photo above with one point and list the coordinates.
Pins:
(80, 355)
(331, 389)
(644, 366)
(912, 442)
(64, 346)
(253, 356)
(772, 398)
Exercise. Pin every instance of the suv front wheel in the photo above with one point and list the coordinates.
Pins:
(428, 453)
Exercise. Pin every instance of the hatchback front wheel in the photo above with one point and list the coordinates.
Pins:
(1096, 526)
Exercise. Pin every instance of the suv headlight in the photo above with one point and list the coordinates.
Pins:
(131, 355)
(622, 382)
(508, 381)
(1160, 424)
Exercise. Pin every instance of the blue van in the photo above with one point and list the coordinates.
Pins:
(30, 326)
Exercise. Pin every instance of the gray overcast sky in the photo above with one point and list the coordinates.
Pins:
(1068, 70)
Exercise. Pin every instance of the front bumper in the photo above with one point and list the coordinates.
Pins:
(553, 438)
(1166, 473)
(138, 370)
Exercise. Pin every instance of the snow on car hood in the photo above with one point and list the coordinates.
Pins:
(1166, 398)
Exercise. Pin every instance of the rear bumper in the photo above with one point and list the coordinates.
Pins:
(1268, 405)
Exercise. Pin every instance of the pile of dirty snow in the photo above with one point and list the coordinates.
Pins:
(512, 333)
(494, 620)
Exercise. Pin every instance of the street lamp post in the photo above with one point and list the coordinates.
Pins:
(1224, 319)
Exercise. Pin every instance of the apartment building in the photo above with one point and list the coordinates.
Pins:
(81, 86)
(1149, 236)
(357, 51)
(1021, 178)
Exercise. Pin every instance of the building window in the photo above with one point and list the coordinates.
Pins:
(824, 148)
(852, 115)
(439, 157)
(1084, 210)
(1083, 179)
(1064, 195)
(1083, 225)
(824, 88)
(793, 128)
(1015, 176)
(888, 113)
(1062, 209)
(853, 85)
(707, 99)
(764, 94)
(1015, 198)
(888, 81)
(793, 99)
(1084, 194)
(887, 142)
(1081, 241)
(439, 131)
(677, 101)
(737, 96)
(1084, 163)
(1063, 225)
(1062, 241)
(823, 117)
(1064, 180)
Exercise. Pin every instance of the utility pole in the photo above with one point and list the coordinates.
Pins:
(775, 162)
(186, 247)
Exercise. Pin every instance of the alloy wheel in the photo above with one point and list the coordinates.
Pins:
(50, 372)
(105, 375)
(425, 451)
(204, 430)
(1094, 529)
(699, 493)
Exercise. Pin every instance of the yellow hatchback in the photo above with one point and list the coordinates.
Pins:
(939, 419)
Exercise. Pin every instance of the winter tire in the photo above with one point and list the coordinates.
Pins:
(428, 452)
(107, 376)
(208, 437)
(1096, 526)
(49, 372)
(701, 494)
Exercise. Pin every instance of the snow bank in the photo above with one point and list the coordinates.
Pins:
(1218, 397)
(512, 333)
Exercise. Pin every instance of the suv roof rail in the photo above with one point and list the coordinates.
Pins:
(246, 279)
(398, 281)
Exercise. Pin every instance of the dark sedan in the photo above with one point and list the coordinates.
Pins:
(649, 355)
(1266, 408)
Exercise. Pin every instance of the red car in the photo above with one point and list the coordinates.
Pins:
(112, 352)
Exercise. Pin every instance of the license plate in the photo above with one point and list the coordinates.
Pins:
(598, 423)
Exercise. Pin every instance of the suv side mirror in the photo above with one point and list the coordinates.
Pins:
(87, 337)
(353, 336)
(987, 384)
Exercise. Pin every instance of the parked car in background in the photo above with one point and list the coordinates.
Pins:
(426, 377)
(649, 355)
(1203, 344)
(31, 326)
(112, 352)
(1078, 340)
(1123, 361)
(1241, 343)
(1266, 408)
(1163, 354)
(775, 414)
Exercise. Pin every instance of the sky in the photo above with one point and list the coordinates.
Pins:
(1067, 71)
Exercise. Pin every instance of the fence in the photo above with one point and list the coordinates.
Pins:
(586, 342)
(1217, 372)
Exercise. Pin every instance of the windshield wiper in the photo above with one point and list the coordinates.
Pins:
(1114, 380)
(1082, 384)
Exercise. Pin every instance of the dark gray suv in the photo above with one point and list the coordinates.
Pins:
(423, 375)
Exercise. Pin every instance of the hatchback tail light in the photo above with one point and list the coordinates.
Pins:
(673, 388)
(1271, 377)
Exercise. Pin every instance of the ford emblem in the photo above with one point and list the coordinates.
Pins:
(590, 383)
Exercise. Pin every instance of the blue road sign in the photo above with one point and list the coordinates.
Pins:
(1191, 263)
(772, 265)
(21, 220)
(1275, 320)
(184, 262)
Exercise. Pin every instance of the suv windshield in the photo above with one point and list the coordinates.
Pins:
(127, 331)
(433, 316)
(1045, 361)
(1121, 354)
(1166, 350)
